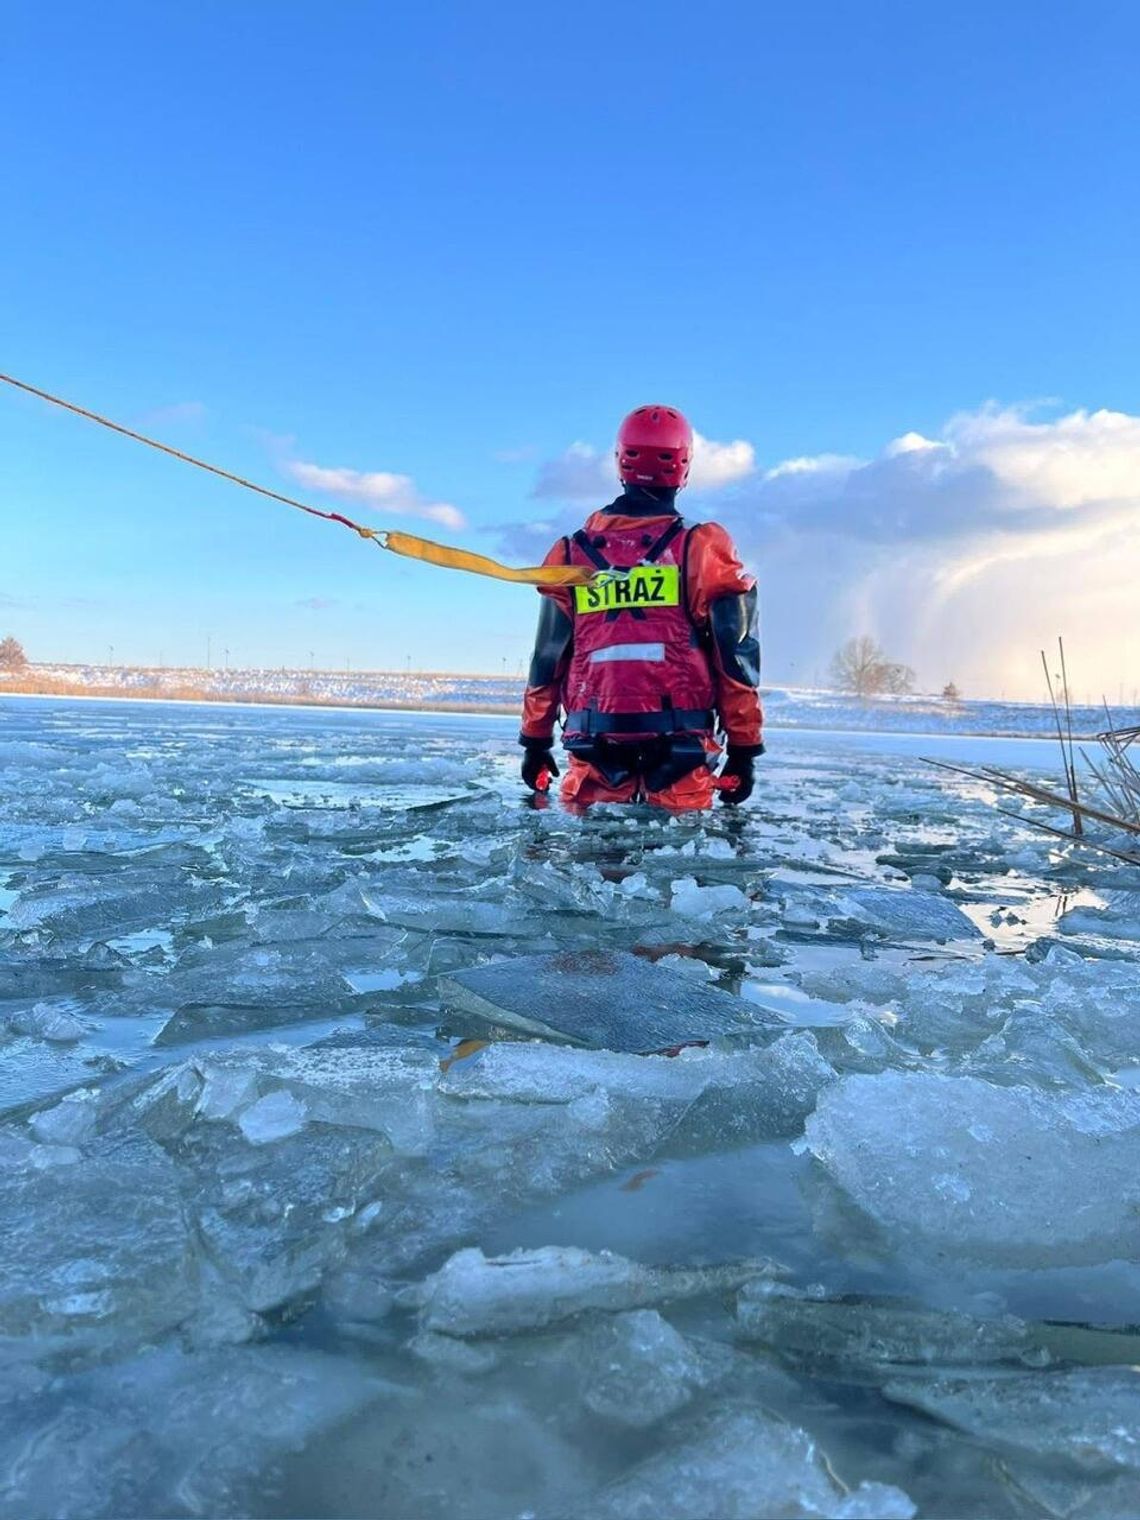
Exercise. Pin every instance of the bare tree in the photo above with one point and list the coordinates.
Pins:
(951, 694)
(12, 656)
(863, 668)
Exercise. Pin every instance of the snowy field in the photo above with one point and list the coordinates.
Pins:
(786, 707)
(279, 1241)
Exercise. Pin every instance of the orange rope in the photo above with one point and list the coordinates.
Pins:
(406, 544)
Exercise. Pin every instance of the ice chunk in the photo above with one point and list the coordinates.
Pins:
(866, 1335)
(449, 915)
(904, 913)
(472, 1294)
(69, 1122)
(800, 915)
(1090, 1418)
(753, 1094)
(704, 1099)
(43, 1022)
(18, 1152)
(274, 1219)
(637, 1369)
(1077, 1495)
(460, 1453)
(273, 1117)
(100, 1250)
(1119, 918)
(231, 988)
(694, 901)
(742, 1463)
(362, 1086)
(226, 1089)
(170, 1433)
(610, 1000)
(165, 1107)
(954, 1166)
(357, 1297)
(451, 1355)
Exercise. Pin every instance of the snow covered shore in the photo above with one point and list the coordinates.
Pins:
(786, 707)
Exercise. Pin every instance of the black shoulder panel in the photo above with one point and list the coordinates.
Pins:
(735, 630)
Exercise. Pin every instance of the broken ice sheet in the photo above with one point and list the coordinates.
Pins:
(896, 913)
(172, 1434)
(740, 1463)
(610, 1000)
(694, 901)
(637, 1369)
(56, 1024)
(528, 1143)
(226, 989)
(868, 1336)
(964, 1171)
(399, 796)
(441, 1456)
(99, 1252)
(1089, 1418)
(273, 1216)
(473, 1295)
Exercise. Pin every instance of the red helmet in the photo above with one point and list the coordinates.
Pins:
(654, 447)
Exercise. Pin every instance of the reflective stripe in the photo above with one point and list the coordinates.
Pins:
(654, 653)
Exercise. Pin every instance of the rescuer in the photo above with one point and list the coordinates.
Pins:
(659, 656)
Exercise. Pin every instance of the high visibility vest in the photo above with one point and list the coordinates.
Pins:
(639, 667)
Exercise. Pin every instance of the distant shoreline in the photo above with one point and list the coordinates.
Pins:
(74, 691)
(836, 722)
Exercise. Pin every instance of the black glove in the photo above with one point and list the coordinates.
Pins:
(739, 762)
(538, 758)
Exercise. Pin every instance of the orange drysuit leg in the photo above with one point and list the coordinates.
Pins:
(584, 784)
(691, 794)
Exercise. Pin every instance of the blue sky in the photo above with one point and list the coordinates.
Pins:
(450, 242)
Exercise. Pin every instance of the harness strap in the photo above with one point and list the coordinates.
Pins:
(658, 549)
(581, 538)
(668, 721)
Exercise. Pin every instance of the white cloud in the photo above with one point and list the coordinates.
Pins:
(582, 473)
(964, 553)
(1074, 460)
(378, 489)
(719, 464)
(814, 464)
(911, 443)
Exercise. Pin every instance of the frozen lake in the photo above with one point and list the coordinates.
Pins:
(879, 1258)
